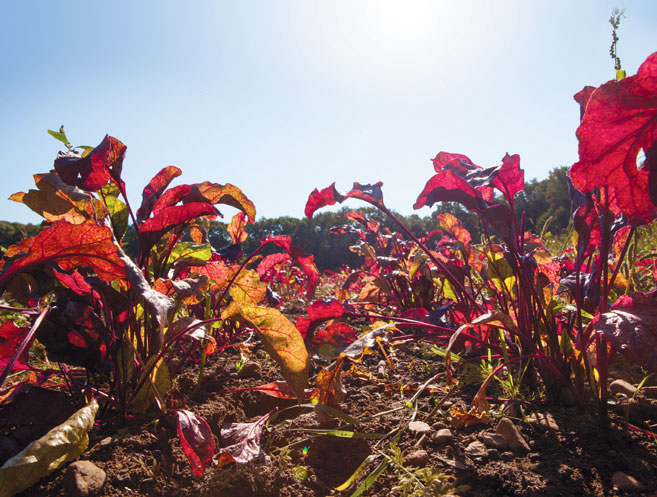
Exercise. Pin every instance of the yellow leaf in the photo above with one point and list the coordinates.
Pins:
(63, 443)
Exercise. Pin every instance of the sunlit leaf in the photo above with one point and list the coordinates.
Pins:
(241, 443)
(620, 122)
(154, 190)
(93, 171)
(11, 337)
(236, 228)
(70, 246)
(63, 443)
(196, 440)
(282, 341)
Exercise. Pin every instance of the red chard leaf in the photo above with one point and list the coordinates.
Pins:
(620, 123)
(11, 337)
(70, 246)
(318, 199)
(446, 186)
(270, 261)
(93, 171)
(196, 440)
(582, 97)
(241, 442)
(236, 228)
(154, 190)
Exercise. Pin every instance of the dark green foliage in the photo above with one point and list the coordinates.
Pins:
(546, 200)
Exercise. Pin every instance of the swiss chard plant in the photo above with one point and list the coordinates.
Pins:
(114, 324)
(561, 315)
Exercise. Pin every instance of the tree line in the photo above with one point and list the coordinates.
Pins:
(546, 204)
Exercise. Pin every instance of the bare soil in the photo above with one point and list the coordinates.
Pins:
(574, 454)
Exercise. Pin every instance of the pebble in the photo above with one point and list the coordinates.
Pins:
(419, 427)
(494, 440)
(622, 387)
(381, 368)
(476, 449)
(626, 482)
(106, 442)
(417, 458)
(494, 455)
(543, 420)
(442, 436)
(83, 478)
(513, 438)
(507, 456)
(250, 370)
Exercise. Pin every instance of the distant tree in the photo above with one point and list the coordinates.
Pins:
(12, 233)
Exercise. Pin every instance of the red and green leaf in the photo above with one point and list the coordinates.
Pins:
(196, 440)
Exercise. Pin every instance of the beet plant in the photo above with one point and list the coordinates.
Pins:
(120, 328)
(561, 315)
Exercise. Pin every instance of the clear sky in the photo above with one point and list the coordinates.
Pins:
(281, 96)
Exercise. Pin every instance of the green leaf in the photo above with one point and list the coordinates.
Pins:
(60, 135)
(63, 443)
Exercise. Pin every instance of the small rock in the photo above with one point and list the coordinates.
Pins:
(439, 425)
(543, 420)
(417, 458)
(512, 410)
(84, 478)
(510, 432)
(494, 455)
(442, 436)
(494, 440)
(622, 387)
(106, 442)
(250, 370)
(381, 368)
(419, 427)
(507, 456)
(476, 449)
(626, 482)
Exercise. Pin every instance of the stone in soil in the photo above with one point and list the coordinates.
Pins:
(419, 427)
(494, 440)
(622, 387)
(476, 449)
(84, 478)
(417, 458)
(543, 420)
(442, 436)
(513, 438)
(625, 482)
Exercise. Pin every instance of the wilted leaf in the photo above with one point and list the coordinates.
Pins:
(631, 326)
(196, 440)
(63, 443)
(56, 201)
(242, 442)
(157, 384)
(281, 390)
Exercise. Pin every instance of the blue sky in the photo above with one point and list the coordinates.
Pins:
(280, 97)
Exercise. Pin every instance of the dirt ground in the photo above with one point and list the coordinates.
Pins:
(569, 453)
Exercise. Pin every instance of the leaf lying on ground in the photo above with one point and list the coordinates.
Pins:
(196, 440)
(63, 443)
(242, 441)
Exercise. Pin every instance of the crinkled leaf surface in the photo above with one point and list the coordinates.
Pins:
(54, 200)
(619, 123)
(282, 341)
(236, 228)
(196, 440)
(631, 326)
(94, 170)
(247, 288)
(63, 443)
(242, 442)
(71, 246)
(371, 194)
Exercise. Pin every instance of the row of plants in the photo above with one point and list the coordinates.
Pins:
(120, 328)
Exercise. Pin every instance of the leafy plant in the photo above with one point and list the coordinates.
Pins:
(550, 314)
(114, 323)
